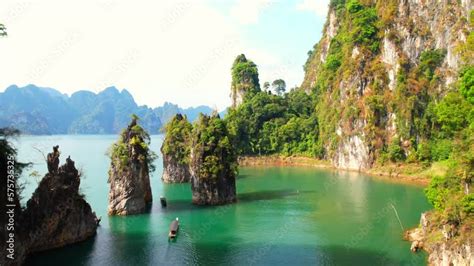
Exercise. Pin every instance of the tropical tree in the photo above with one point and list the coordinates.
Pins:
(3, 30)
(279, 86)
(266, 85)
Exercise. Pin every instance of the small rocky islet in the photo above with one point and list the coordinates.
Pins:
(129, 173)
(56, 215)
(203, 155)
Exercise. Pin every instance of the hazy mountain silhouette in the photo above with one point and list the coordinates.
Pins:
(38, 110)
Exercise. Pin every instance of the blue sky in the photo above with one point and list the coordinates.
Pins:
(177, 51)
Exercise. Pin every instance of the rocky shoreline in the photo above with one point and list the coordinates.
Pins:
(441, 242)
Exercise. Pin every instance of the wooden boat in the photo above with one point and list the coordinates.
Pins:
(174, 227)
(163, 201)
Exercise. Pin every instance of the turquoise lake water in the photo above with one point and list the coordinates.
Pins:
(284, 216)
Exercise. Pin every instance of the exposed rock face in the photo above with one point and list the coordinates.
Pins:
(213, 163)
(174, 171)
(175, 150)
(448, 251)
(356, 80)
(53, 160)
(57, 215)
(244, 79)
(352, 154)
(129, 178)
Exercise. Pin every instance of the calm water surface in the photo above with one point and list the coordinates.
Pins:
(285, 216)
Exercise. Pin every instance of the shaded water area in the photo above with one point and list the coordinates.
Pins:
(284, 216)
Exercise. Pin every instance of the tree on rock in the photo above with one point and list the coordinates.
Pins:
(176, 150)
(213, 162)
(244, 79)
(279, 86)
(129, 173)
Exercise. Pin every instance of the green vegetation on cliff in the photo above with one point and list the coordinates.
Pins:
(368, 91)
(214, 155)
(451, 194)
(244, 75)
(133, 144)
(177, 142)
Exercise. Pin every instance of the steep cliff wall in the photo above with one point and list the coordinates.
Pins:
(376, 70)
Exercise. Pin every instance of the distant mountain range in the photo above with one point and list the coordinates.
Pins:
(38, 111)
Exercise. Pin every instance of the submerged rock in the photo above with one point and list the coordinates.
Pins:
(129, 173)
(176, 150)
(213, 163)
(57, 214)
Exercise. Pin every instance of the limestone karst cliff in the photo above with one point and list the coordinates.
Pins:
(376, 69)
(129, 173)
(176, 150)
(393, 81)
(244, 79)
(57, 214)
(213, 162)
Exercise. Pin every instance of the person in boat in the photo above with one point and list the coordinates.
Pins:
(174, 227)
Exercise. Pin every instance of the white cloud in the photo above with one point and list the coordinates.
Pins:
(318, 7)
(247, 12)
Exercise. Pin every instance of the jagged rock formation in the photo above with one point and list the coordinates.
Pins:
(244, 79)
(176, 149)
(57, 214)
(213, 163)
(442, 244)
(53, 160)
(131, 161)
(376, 69)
